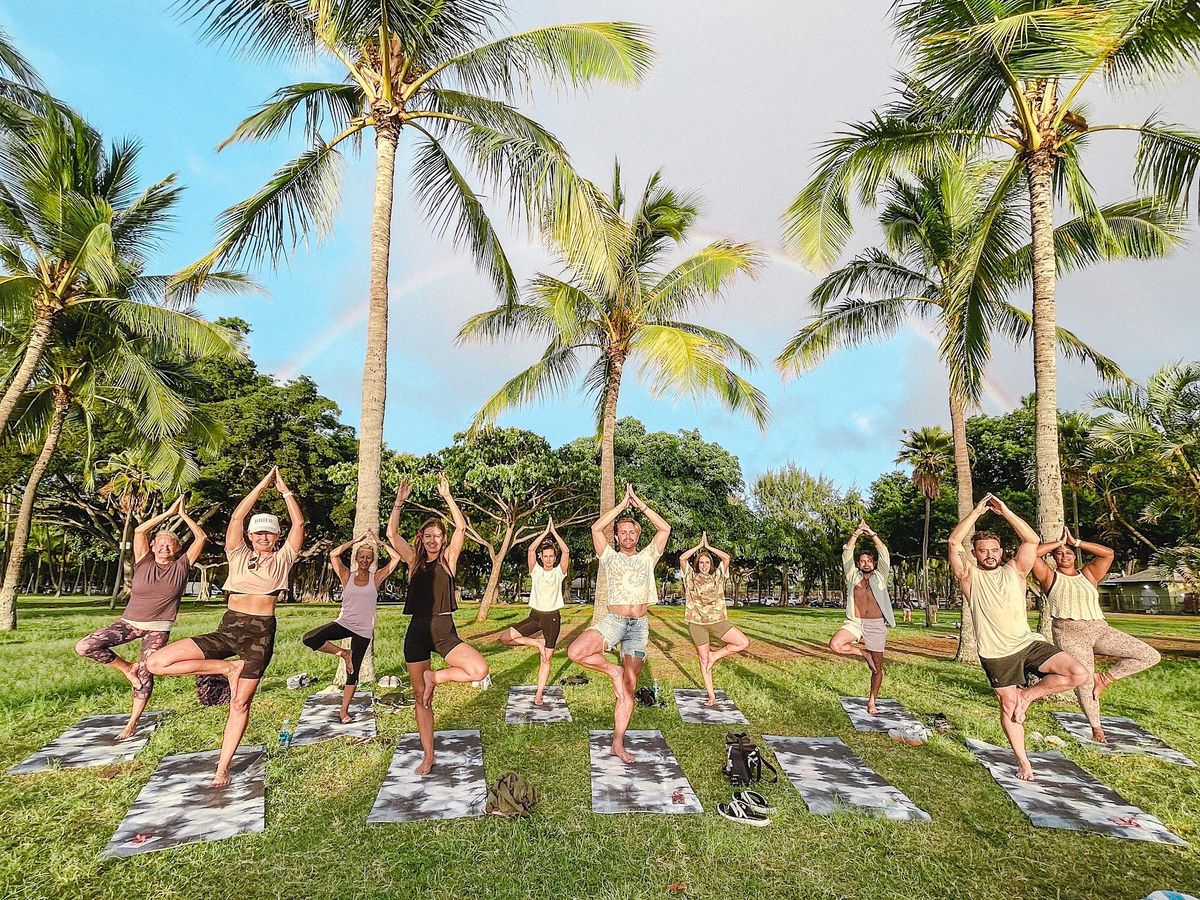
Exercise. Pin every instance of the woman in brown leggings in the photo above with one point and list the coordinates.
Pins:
(1079, 624)
(258, 574)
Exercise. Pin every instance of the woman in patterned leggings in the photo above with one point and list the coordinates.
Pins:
(159, 577)
(1078, 622)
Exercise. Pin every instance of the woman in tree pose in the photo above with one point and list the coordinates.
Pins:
(160, 573)
(432, 561)
(1078, 622)
(258, 575)
(547, 569)
(360, 595)
(704, 612)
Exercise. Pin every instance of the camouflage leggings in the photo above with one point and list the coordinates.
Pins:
(98, 646)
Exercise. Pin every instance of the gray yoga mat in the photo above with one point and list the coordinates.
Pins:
(320, 719)
(521, 708)
(694, 710)
(832, 779)
(455, 788)
(177, 805)
(1065, 796)
(892, 714)
(92, 742)
(1124, 736)
(653, 783)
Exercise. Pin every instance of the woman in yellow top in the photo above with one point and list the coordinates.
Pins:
(258, 575)
(1078, 622)
(704, 610)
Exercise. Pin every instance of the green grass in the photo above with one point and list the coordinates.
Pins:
(317, 842)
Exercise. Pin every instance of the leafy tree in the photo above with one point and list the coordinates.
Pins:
(436, 71)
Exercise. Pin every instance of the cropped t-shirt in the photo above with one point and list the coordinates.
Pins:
(259, 573)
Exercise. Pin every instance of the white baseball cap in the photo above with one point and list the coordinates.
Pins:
(264, 522)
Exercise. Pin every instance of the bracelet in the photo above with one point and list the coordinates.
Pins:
(285, 493)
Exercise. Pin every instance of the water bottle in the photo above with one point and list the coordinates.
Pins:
(656, 692)
(285, 734)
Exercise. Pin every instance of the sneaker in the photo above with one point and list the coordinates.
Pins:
(736, 811)
(483, 685)
(755, 801)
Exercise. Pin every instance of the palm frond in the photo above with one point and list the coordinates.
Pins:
(321, 102)
(1158, 38)
(264, 29)
(549, 375)
(1017, 325)
(872, 272)
(704, 275)
(849, 323)
(182, 332)
(1168, 160)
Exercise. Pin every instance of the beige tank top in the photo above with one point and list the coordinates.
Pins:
(1074, 597)
(998, 611)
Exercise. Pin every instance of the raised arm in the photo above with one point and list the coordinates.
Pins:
(564, 552)
(384, 572)
(532, 553)
(958, 563)
(1027, 552)
(235, 534)
(686, 556)
(1102, 557)
(848, 548)
(599, 538)
(395, 538)
(335, 559)
(141, 534)
(884, 562)
(199, 535)
(458, 519)
(1042, 573)
(295, 536)
(662, 529)
(721, 555)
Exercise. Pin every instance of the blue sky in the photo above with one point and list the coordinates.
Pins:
(733, 109)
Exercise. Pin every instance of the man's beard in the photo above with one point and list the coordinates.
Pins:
(989, 565)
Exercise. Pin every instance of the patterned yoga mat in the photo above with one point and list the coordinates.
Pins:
(92, 742)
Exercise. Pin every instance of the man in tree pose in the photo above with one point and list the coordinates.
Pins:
(1008, 649)
(868, 609)
(630, 590)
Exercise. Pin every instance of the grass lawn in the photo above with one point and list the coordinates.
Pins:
(317, 842)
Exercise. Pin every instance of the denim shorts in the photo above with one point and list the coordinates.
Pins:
(628, 631)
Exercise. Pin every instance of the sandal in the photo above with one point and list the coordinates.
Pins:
(754, 801)
(736, 811)
(575, 679)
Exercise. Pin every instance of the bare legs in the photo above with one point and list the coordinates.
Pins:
(734, 641)
(843, 643)
(513, 638)
(240, 699)
(98, 646)
(419, 673)
(1059, 673)
(875, 664)
(588, 651)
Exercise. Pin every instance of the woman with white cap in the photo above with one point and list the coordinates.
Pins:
(258, 575)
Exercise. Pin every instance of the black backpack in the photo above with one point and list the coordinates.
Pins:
(743, 763)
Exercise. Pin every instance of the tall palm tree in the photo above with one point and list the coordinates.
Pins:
(19, 82)
(930, 452)
(1011, 75)
(75, 232)
(95, 368)
(434, 70)
(620, 303)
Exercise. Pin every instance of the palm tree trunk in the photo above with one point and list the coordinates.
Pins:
(119, 578)
(968, 644)
(608, 467)
(374, 382)
(493, 585)
(1040, 170)
(39, 337)
(16, 557)
(1075, 510)
(925, 563)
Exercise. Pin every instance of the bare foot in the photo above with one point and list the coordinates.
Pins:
(426, 765)
(622, 754)
(130, 673)
(221, 779)
(234, 675)
(1025, 772)
(1022, 707)
(345, 655)
(711, 701)
(538, 700)
(1099, 683)
(870, 662)
(129, 731)
(346, 718)
(1099, 736)
(871, 708)
(427, 701)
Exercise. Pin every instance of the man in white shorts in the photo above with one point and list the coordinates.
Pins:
(631, 589)
(868, 607)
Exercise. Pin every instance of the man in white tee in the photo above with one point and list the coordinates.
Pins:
(1008, 650)
(630, 589)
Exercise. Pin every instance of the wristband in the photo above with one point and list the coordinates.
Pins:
(285, 493)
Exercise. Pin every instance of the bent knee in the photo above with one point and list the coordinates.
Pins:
(1153, 657)
(155, 666)
(81, 648)
(240, 705)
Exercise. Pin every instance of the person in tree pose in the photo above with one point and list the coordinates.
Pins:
(432, 560)
(868, 608)
(630, 589)
(1078, 622)
(258, 576)
(547, 570)
(160, 572)
(360, 594)
(1008, 649)
(704, 609)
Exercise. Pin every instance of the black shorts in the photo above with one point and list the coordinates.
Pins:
(336, 631)
(250, 638)
(548, 623)
(427, 635)
(1014, 670)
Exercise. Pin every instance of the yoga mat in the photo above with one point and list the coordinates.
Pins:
(92, 742)
(832, 779)
(521, 708)
(653, 783)
(1065, 796)
(693, 708)
(455, 788)
(177, 806)
(891, 715)
(1124, 736)
(320, 719)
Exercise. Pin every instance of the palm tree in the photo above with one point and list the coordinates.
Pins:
(19, 82)
(1075, 456)
(436, 70)
(74, 235)
(131, 488)
(1011, 76)
(619, 303)
(930, 452)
